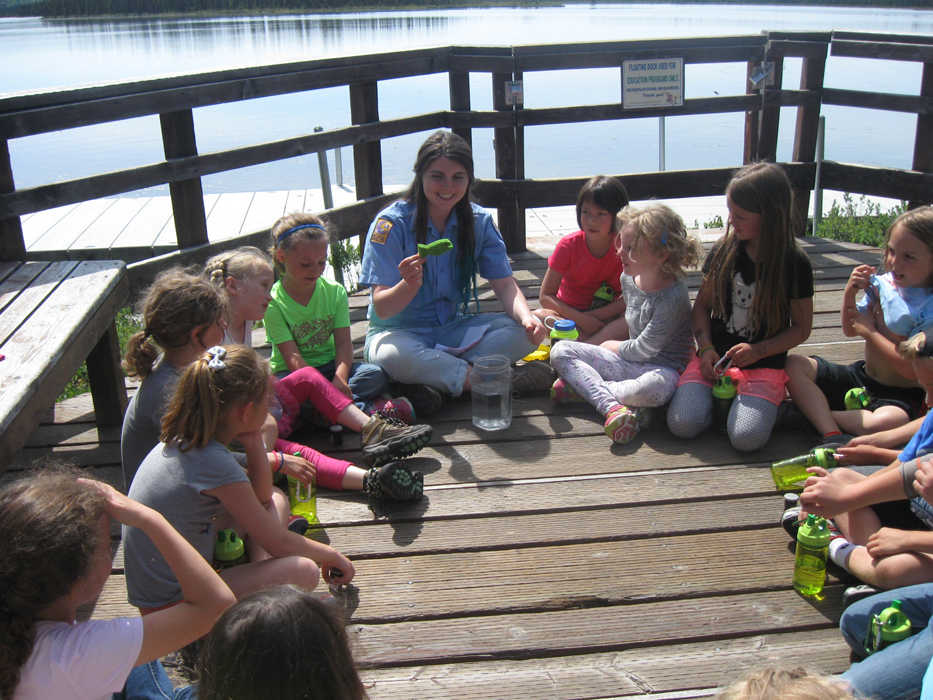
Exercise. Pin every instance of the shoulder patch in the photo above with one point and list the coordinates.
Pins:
(381, 232)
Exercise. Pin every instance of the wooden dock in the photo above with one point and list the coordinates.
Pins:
(546, 562)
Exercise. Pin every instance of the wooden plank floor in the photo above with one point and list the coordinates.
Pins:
(546, 562)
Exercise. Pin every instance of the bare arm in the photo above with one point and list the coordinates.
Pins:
(204, 594)
(507, 291)
(291, 355)
(388, 301)
(343, 347)
(700, 320)
(801, 323)
(828, 496)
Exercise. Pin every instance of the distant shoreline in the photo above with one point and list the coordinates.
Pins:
(18, 8)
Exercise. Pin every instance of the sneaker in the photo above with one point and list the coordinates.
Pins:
(623, 423)
(385, 439)
(532, 378)
(298, 524)
(398, 408)
(834, 441)
(562, 392)
(790, 521)
(394, 482)
(425, 400)
(853, 594)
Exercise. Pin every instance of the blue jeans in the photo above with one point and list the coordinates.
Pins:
(367, 381)
(150, 682)
(896, 671)
(409, 356)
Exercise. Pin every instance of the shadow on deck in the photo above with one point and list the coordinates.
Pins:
(546, 562)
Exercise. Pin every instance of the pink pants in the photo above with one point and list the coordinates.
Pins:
(307, 385)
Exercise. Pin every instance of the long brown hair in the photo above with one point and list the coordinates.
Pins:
(177, 302)
(760, 188)
(210, 386)
(446, 144)
(48, 526)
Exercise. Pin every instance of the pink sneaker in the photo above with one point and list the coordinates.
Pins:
(622, 424)
(562, 392)
(398, 408)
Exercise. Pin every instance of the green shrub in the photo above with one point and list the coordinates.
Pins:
(858, 220)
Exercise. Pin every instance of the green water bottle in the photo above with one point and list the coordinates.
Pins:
(889, 626)
(302, 500)
(564, 329)
(810, 559)
(723, 392)
(857, 397)
(602, 296)
(228, 549)
(789, 474)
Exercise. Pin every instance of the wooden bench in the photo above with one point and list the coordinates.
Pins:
(54, 316)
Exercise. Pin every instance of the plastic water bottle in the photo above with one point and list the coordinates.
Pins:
(228, 549)
(810, 560)
(302, 500)
(564, 329)
(723, 392)
(789, 474)
(857, 397)
(889, 626)
(491, 389)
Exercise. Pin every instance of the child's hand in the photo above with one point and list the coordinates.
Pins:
(923, 479)
(823, 494)
(888, 541)
(534, 329)
(121, 508)
(862, 454)
(342, 386)
(861, 322)
(860, 277)
(252, 439)
(707, 361)
(412, 270)
(744, 354)
(300, 468)
(337, 569)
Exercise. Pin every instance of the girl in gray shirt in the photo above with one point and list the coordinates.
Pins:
(623, 378)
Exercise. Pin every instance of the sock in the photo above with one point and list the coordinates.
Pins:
(839, 550)
(330, 471)
(832, 433)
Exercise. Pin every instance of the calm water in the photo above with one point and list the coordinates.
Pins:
(40, 54)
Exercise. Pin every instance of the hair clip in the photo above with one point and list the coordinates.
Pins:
(664, 238)
(217, 355)
(295, 229)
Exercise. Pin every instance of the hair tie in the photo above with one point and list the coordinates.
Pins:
(294, 229)
(217, 355)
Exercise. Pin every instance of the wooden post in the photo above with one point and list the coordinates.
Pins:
(808, 124)
(108, 390)
(752, 118)
(367, 157)
(511, 218)
(770, 112)
(460, 100)
(923, 143)
(178, 141)
(12, 244)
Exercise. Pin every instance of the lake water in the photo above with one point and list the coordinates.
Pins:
(38, 54)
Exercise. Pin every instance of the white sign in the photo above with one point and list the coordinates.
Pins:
(655, 82)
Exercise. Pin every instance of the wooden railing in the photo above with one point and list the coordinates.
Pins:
(173, 99)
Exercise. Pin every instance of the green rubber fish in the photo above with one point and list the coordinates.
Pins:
(438, 247)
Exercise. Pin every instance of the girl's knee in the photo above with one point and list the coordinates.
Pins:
(800, 367)
(748, 438)
(683, 423)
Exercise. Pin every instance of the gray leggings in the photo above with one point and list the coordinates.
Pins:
(751, 419)
(605, 380)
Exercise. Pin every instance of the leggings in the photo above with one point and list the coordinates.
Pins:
(605, 380)
(751, 417)
(307, 385)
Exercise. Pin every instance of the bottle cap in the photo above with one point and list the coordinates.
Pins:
(895, 625)
(564, 325)
(229, 546)
(813, 532)
(824, 457)
(724, 388)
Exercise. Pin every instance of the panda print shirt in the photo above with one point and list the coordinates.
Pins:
(737, 326)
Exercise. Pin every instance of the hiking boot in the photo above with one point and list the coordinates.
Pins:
(398, 408)
(562, 392)
(394, 482)
(623, 423)
(425, 400)
(532, 378)
(385, 439)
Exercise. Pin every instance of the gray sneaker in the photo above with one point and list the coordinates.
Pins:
(384, 439)
(530, 378)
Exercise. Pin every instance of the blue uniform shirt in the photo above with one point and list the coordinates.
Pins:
(391, 238)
